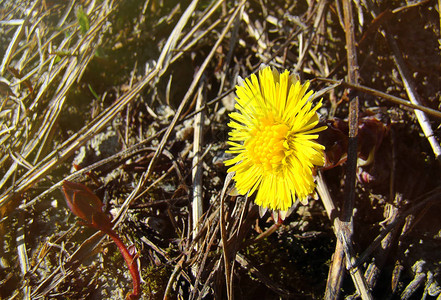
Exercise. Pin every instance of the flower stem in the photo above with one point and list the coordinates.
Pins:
(131, 264)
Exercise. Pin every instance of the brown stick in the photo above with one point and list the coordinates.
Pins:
(377, 93)
(335, 274)
(343, 248)
(344, 232)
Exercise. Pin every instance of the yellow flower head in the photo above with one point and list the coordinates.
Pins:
(273, 136)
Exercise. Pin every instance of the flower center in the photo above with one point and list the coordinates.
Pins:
(268, 145)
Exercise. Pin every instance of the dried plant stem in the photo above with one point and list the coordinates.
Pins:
(377, 93)
(413, 96)
(267, 232)
(197, 208)
(223, 228)
(335, 279)
(353, 116)
(343, 248)
(345, 229)
(16, 39)
(74, 67)
(320, 13)
(22, 255)
(173, 276)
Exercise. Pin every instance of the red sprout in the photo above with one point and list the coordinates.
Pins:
(88, 207)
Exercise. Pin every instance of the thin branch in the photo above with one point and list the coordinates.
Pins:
(224, 236)
(197, 208)
(345, 230)
(409, 85)
(342, 248)
(385, 96)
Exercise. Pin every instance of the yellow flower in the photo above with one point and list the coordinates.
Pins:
(273, 136)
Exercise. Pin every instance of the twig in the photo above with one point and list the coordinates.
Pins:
(224, 236)
(385, 96)
(204, 259)
(22, 255)
(195, 28)
(335, 278)
(16, 39)
(321, 12)
(197, 208)
(413, 96)
(342, 248)
(345, 230)
(173, 276)
(266, 233)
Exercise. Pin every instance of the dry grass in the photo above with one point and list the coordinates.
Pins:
(138, 94)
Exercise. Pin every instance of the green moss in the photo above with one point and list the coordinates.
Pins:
(83, 20)
(156, 279)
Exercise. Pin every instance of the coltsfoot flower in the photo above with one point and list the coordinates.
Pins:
(273, 136)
